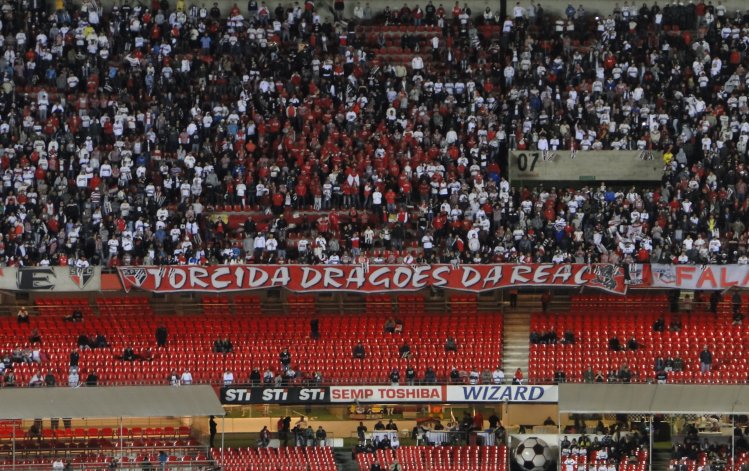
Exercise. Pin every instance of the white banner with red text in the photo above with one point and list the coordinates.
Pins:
(699, 277)
(447, 394)
(394, 394)
(371, 279)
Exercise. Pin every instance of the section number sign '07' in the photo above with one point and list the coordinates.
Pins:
(582, 166)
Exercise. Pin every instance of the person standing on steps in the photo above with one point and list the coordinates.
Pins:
(361, 433)
(545, 301)
(514, 298)
(212, 429)
(161, 336)
(706, 360)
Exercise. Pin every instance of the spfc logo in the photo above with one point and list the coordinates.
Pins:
(82, 276)
(133, 277)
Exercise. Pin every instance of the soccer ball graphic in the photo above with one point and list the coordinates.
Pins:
(533, 454)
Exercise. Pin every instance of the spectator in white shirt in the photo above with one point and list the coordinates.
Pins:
(186, 377)
(498, 376)
(228, 378)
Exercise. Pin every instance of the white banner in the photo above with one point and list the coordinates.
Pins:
(55, 279)
(501, 393)
(699, 277)
(394, 394)
(591, 165)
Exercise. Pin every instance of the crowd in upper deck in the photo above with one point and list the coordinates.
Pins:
(122, 132)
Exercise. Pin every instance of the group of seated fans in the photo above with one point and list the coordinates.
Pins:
(121, 131)
(701, 454)
(607, 450)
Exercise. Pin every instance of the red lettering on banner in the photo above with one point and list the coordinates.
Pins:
(409, 393)
(563, 274)
(494, 277)
(310, 277)
(541, 274)
(382, 278)
(355, 278)
(352, 394)
(724, 281)
(331, 275)
(471, 276)
(402, 277)
(384, 393)
(258, 277)
(197, 275)
(239, 275)
(155, 276)
(217, 278)
(581, 276)
(177, 278)
(684, 273)
(518, 274)
(437, 274)
(375, 280)
(745, 281)
(281, 277)
(420, 277)
(707, 275)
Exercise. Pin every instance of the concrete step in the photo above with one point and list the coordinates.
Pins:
(515, 338)
(344, 461)
(661, 459)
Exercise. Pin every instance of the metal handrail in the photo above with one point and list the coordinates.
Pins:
(105, 465)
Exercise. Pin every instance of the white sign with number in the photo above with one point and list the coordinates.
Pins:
(568, 166)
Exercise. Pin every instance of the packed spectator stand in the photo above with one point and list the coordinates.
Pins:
(125, 132)
(174, 134)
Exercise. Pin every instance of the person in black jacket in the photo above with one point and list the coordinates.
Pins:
(405, 351)
(314, 327)
(410, 375)
(161, 336)
(128, 354)
(361, 433)
(625, 374)
(430, 377)
(255, 377)
(74, 358)
(359, 351)
(212, 429)
(92, 379)
(395, 376)
(284, 358)
(706, 360)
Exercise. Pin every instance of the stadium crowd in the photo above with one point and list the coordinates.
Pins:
(121, 132)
